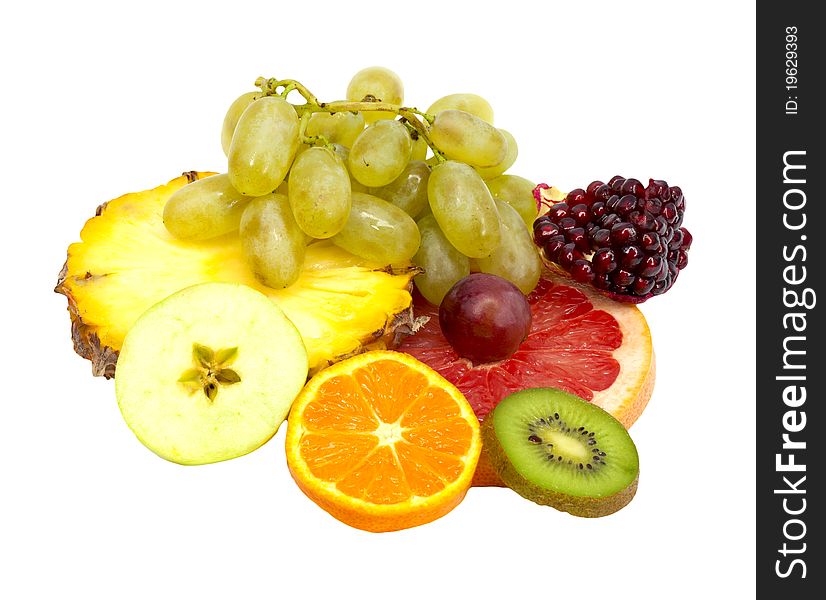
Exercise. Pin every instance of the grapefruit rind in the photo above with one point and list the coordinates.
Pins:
(632, 389)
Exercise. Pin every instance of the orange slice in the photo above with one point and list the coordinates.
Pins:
(382, 442)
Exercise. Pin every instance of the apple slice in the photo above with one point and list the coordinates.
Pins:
(209, 373)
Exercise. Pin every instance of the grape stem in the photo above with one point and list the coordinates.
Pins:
(311, 140)
(413, 119)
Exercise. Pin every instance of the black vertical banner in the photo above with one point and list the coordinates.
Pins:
(791, 427)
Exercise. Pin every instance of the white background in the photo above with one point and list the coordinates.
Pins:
(102, 99)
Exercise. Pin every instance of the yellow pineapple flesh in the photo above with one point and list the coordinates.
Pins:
(127, 262)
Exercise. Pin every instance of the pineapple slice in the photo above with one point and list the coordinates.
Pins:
(127, 262)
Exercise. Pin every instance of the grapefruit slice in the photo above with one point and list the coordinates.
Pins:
(580, 342)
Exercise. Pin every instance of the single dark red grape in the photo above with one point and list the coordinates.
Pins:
(485, 318)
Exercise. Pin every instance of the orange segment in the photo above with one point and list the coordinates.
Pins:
(344, 409)
(391, 387)
(382, 442)
(432, 406)
(331, 455)
(379, 479)
(450, 437)
(444, 467)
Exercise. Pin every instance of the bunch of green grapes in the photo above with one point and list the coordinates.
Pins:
(384, 182)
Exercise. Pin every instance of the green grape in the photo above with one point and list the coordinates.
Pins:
(344, 154)
(467, 138)
(408, 191)
(464, 208)
(337, 128)
(518, 192)
(204, 209)
(425, 211)
(302, 147)
(443, 264)
(378, 231)
(380, 153)
(273, 242)
(263, 146)
(516, 259)
(420, 149)
(475, 105)
(319, 192)
(510, 158)
(379, 82)
(233, 114)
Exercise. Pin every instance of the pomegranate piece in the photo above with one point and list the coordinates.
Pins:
(621, 237)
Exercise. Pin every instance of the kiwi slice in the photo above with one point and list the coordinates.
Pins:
(559, 450)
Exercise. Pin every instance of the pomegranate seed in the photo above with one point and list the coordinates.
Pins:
(581, 213)
(659, 288)
(553, 246)
(650, 266)
(676, 240)
(669, 212)
(650, 241)
(622, 277)
(577, 236)
(623, 233)
(558, 211)
(626, 204)
(582, 271)
(655, 188)
(567, 223)
(663, 272)
(642, 286)
(653, 206)
(630, 257)
(568, 255)
(641, 220)
(602, 193)
(598, 209)
(604, 260)
(660, 225)
(687, 238)
(609, 220)
(632, 186)
(602, 238)
(616, 183)
(540, 221)
(592, 187)
(545, 231)
(576, 196)
(602, 281)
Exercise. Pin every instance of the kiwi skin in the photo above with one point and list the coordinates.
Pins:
(580, 506)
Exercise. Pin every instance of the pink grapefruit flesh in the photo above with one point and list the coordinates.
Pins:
(580, 342)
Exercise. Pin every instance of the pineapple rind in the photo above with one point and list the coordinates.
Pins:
(127, 262)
